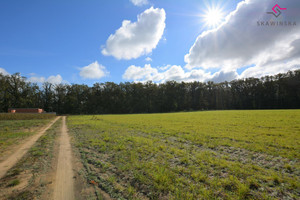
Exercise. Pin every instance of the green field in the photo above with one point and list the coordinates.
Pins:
(16, 127)
(197, 155)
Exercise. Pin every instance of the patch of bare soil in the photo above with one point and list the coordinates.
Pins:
(8, 151)
(50, 170)
(22, 150)
(64, 181)
(31, 176)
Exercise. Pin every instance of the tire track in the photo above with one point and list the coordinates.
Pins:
(18, 154)
(64, 183)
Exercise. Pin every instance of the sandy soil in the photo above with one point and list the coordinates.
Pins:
(64, 182)
(10, 161)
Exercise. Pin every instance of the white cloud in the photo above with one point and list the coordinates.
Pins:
(176, 73)
(51, 79)
(148, 59)
(36, 79)
(240, 42)
(55, 79)
(138, 73)
(222, 76)
(3, 71)
(271, 69)
(39, 79)
(164, 68)
(93, 71)
(134, 39)
(139, 2)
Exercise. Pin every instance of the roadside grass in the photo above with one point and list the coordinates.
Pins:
(32, 170)
(14, 131)
(13, 183)
(197, 155)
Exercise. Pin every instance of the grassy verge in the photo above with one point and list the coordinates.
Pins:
(29, 178)
(199, 155)
(16, 127)
(14, 131)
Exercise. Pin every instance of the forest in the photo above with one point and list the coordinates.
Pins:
(281, 91)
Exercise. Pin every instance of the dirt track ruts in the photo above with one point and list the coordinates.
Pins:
(64, 183)
(18, 154)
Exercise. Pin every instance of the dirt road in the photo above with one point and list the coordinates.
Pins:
(18, 154)
(64, 183)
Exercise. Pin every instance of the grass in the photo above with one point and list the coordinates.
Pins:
(14, 131)
(13, 183)
(197, 155)
(37, 163)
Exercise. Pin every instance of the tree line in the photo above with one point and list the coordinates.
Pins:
(281, 91)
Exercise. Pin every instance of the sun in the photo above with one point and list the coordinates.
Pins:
(213, 17)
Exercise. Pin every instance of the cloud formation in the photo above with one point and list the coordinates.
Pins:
(146, 73)
(93, 71)
(55, 79)
(37, 79)
(51, 79)
(176, 73)
(134, 39)
(148, 59)
(241, 42)
(271, 69)
(139, 2)
(3, 71)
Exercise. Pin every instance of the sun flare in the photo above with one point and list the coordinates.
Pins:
(213, 17)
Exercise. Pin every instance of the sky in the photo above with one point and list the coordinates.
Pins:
(89, 41)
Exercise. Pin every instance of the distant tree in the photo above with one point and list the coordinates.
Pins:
(48, 96)
(269, 92)
(60, 92)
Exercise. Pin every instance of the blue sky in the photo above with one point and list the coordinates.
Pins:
(40, 38)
